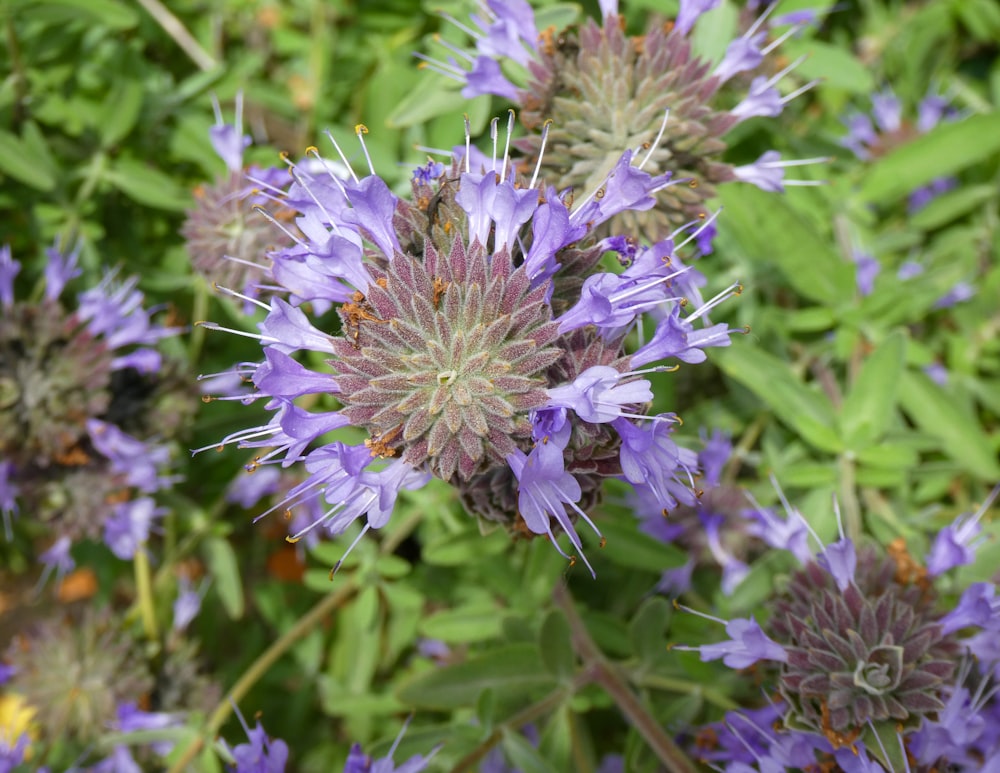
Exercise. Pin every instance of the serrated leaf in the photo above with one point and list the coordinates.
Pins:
(556, 647)
(805, 410)
(224, 569)
(870, 402)
(17, 161)
(513, 669)
(945, 150)
(148, 186)
(784, 238)
(962, 438)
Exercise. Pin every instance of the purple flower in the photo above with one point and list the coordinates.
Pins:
(840, 560)
(358, 762)
(791, 533)
(714, 456)
(677, 338)
(747, 644)
(261, 754)
(60, 269)
(733, 570)
(228, 140)
(977, 607)
(129, 526)
(690, 11)
(9, 269)
(955, 545)
(598, 395)
(867, 268)
(651, 461)
(960, 293)
(924, 195)
(187, 605)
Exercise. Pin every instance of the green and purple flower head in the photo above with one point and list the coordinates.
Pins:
(480, 341)
(86, 401)
(867, 659)
(602, 91)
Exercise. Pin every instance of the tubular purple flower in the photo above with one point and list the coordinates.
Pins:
(129, 526)
(747, 643)
(598, 395)
(978, 606)
(887, 110)
(733, 570)
(652, 461)
(60, 269)
(227, 140)
(714, 456)
(790, 533)
(9, 269)
(690, 11)
(956, 544)
(261, 754)
(139, 463)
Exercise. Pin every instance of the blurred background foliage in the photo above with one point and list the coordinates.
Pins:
(105, 107)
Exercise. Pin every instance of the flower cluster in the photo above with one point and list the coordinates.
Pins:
(86, 401)
(602, 91)
(480, 342)
(867, 661)
(225, 239)
(78, 681)
(872, 136)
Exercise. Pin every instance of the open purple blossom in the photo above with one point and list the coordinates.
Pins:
(955, 545)
(451, 358)
(359, 762)
(261, 754)
(667, 99)
(747, 644)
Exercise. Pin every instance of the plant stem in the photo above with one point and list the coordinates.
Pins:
(144, 589)
(848, 499)
(260, 666)
(607, 676)
(175, 29)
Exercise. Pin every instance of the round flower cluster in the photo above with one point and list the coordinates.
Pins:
(868, 661)
(82, 389)
(602, 90)
(480, 341)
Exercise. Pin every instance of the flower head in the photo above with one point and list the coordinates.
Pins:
(82, 388)
(453, 353)
(603, 91)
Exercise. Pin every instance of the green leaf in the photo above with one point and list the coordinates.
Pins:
(17, 161)
(868, 406)
(148, 186)
(523, 756)
(945, 150)
(834, 64)
(935, 411)
(805, 410)
(506, 670)
(110, 13)
(468, 546)
(221, 561)
(648, 629)
(950, 206)
(785, 239)
(121, 110)
(555, 646)
(627, 546)
(476, 622)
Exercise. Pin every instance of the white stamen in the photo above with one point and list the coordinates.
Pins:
(261, 211)
(734, 289)
(241, 296)
(343, 158)
(305, 186)
(467, 30)
(441, 68)
(541, 151)
(506, 147)
(781, 39)
(494, 135)
(314, 153)
(468, 143)
(704, 224)
(214, 326)
(702, 615)
(779, 75)
(454, 49)
(659, 136)
(360, 130)
(350, 547)
(760, 20)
